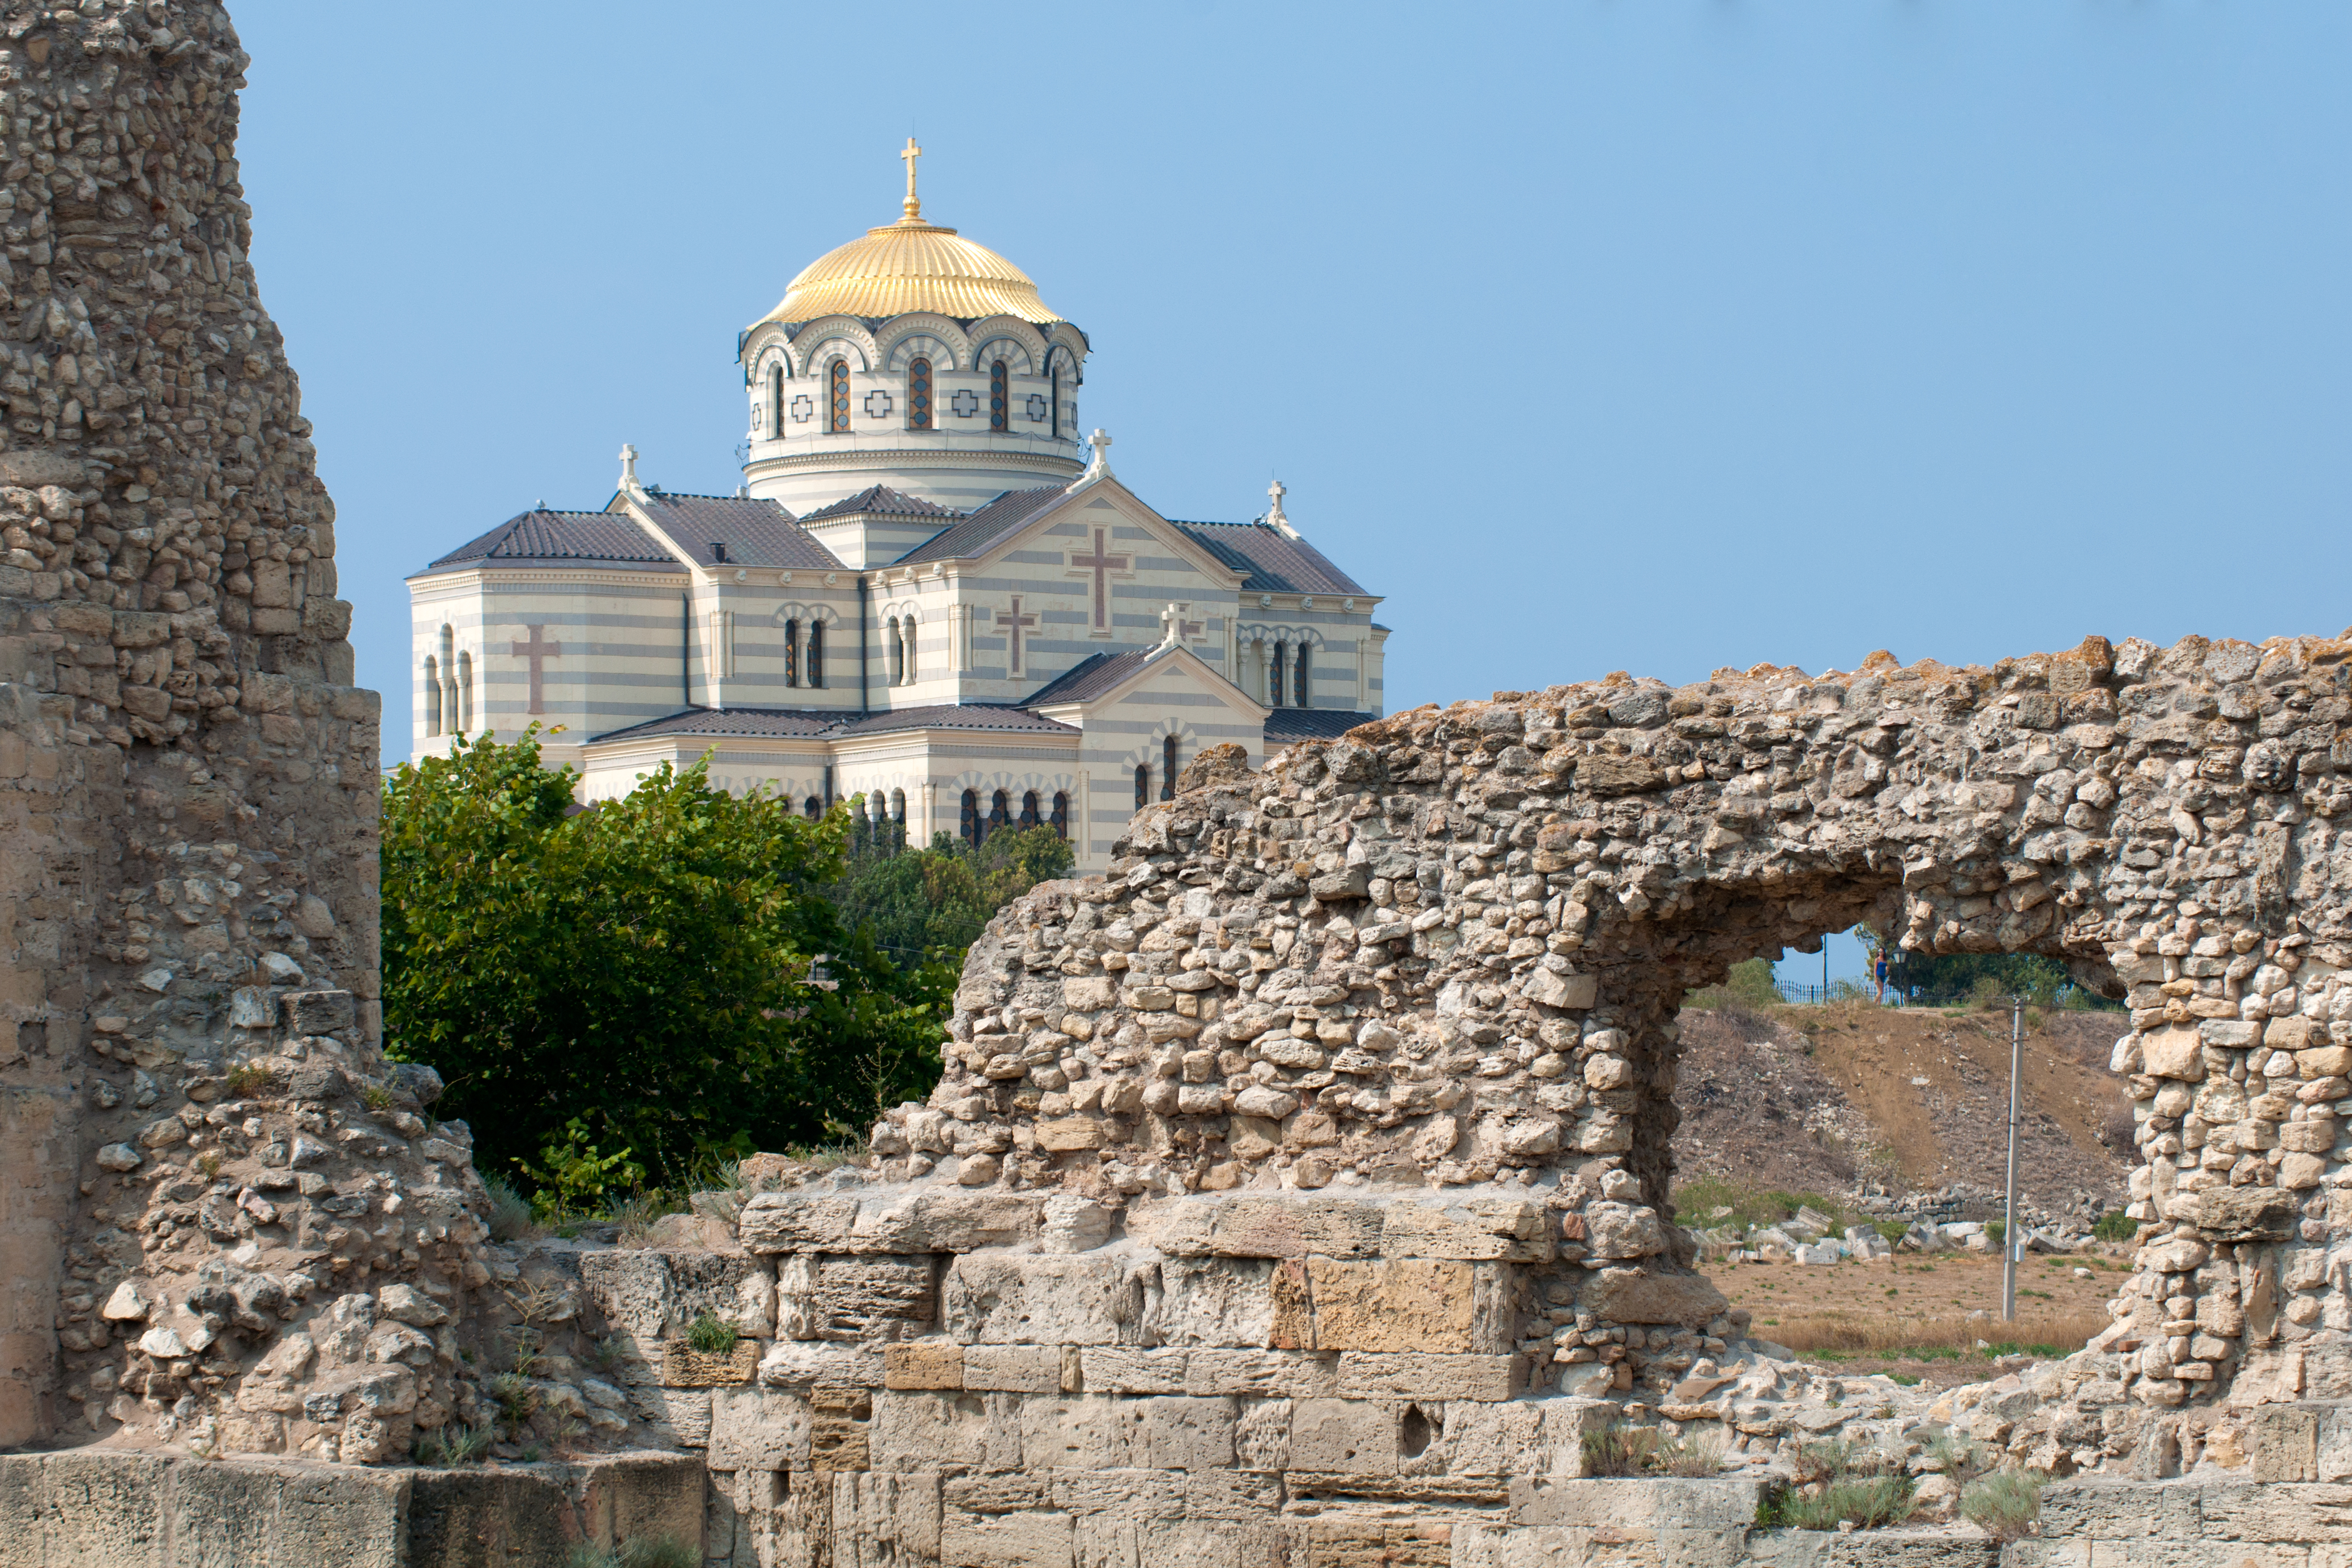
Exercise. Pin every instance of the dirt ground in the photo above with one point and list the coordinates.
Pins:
(1910, 1314)
(1822, 1098)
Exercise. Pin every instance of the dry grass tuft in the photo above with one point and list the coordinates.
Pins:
(2054, 1335)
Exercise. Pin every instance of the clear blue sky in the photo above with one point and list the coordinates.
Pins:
(1655, 336)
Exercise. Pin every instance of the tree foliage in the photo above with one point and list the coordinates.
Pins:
(931, 904)
(653, 980)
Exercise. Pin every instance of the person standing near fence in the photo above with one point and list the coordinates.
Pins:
(1878, 973)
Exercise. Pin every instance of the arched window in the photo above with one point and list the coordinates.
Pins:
(431, 696)
(776, 401)
(1000, 811)
(918, 394)
(1061, 818)
(791, 653)
(895, 651)
(1000, 396)
(816, 653)
(836, 377)
(1300, 696)
(898, 806)
(1142, 785)
(1029, 808)
(1168, 769)
(813, 808)
(969, 826)
(907, 658)
(1273, 674)
(1054, 376)
(465, 693)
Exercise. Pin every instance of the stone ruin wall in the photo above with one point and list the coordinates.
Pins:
(187, 776)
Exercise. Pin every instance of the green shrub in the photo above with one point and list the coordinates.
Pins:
(452, 1445)
(711, 1334)
(2004, 1504)
(662, 1552)
(639, 984)
(510, 1215)
(2115, 1226)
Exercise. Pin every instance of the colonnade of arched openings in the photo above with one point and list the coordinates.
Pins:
(980, 816)
(448, 688)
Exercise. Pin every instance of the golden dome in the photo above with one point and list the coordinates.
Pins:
(911, 266)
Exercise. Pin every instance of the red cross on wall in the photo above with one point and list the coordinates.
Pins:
(1012, 622)
(1100, 565)
(535, 652)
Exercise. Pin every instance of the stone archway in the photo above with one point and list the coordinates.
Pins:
(1446, 950)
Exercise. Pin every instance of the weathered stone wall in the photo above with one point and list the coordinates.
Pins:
(1448, 949)
(201, 1148)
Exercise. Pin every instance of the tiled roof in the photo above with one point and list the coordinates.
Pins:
(1276, 562)
(957, 715)
(981, 530)
(542, 536)
(1089, 678)
(881, 501)
(1284, 726)
(791, 723)
(818, 724)
(756, 533)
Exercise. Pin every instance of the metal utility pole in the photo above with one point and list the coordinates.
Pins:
(2011, 1241)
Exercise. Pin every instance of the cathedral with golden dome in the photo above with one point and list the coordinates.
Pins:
(931, 591)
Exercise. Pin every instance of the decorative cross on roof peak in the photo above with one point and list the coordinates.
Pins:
(1179, 630)
(1274, 515)
(628, 466)
(914, 208)
(1099, 465)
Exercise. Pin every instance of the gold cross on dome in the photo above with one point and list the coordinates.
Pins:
(914, 208)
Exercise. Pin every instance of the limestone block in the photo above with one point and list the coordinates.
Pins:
(947, 1432)
(1346, 1542)
(884, 1519)
(839, 1430)
(1005, 1540)
(1174, 1432)
(1284, 1373)
(1001, 1298)
(681, 1416)
(1346, 1437)
(683, 1366)
(1519, 1437)
(1197, 1544)
(1077, 1431)
(801, 1222)
(1013, 1368)
(739, 1290)
(873, 1297)
(1391, 1304)
(1417, 1374)
(1110, 1369)
(631, 1288)
(791, 1364)
(1225, 1302)
(1485, 1229)
(2281, 1511)
(2246, 1212)
(1631, 1296)
(1134, 1494)
(1644, 1503)
(2174, 1053)
(758, 1429)
(923, 1363)
(1253, 1227)
(2101, 1508)
(967, 1221)
(2333, 1447)
(1261, 1434)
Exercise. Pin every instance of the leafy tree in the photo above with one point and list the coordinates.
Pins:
(931, 904)
(642, 984)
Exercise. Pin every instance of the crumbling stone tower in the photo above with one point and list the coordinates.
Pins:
(187, 775)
